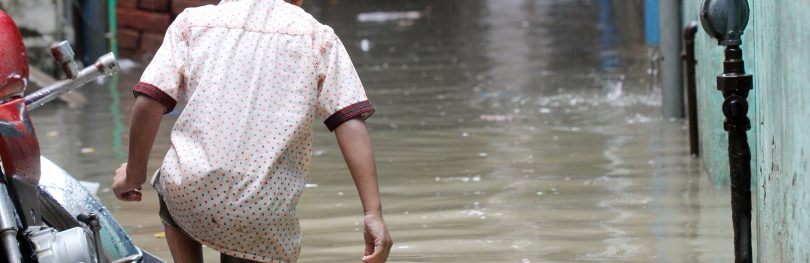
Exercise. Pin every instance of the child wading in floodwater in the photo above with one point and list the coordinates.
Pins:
(255, 74)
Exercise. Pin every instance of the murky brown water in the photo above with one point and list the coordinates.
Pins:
(506, 131)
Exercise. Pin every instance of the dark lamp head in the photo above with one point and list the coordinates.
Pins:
(725, 20)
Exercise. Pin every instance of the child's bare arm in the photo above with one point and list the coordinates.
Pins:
(145, 121)
(355, 144)
(144, 124)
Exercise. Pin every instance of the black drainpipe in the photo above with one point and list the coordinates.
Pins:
(726, 20)
(691, 96)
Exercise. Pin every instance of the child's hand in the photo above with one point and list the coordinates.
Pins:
(378, 240)
(124, 190)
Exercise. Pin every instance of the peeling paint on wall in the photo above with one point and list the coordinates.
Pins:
(782, 53)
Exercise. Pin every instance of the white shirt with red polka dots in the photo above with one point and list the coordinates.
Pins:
(254, 74)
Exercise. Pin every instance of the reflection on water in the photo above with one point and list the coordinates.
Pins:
(506, 131)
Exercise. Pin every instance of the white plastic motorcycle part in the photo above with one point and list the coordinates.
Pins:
(72, 245)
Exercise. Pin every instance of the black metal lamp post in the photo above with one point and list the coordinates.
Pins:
(726, 20)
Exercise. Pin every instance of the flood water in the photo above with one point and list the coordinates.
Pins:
(505, 131)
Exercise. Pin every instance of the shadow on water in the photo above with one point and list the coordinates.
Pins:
(505, 131)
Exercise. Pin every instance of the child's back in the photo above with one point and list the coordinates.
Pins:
(254, 75)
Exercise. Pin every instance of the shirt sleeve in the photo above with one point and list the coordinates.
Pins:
(164, 78)
(341, 96)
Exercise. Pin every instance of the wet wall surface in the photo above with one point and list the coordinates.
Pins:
(782, 187)
(505, 131)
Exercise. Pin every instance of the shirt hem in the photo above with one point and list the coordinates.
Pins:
(227, 251)
(239, 254)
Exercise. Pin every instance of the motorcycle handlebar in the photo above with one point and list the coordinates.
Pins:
(106, 65)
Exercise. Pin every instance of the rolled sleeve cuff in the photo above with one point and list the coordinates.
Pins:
(155, 93)
(363, 110)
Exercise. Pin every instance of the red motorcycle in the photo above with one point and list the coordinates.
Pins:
(46, 215)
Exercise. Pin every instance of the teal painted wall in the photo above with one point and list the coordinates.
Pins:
(776, 50)
(783, 75)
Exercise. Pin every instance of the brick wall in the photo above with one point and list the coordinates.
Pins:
(142, 23)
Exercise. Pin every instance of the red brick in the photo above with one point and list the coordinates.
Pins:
(129, 53)
(143, 20)
(127, 3)
(180, 5)
(128, 38)
(150, 42)
(155, 5)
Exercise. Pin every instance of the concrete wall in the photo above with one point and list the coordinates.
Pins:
(777, 55)
(35, 18)
(37, 21)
